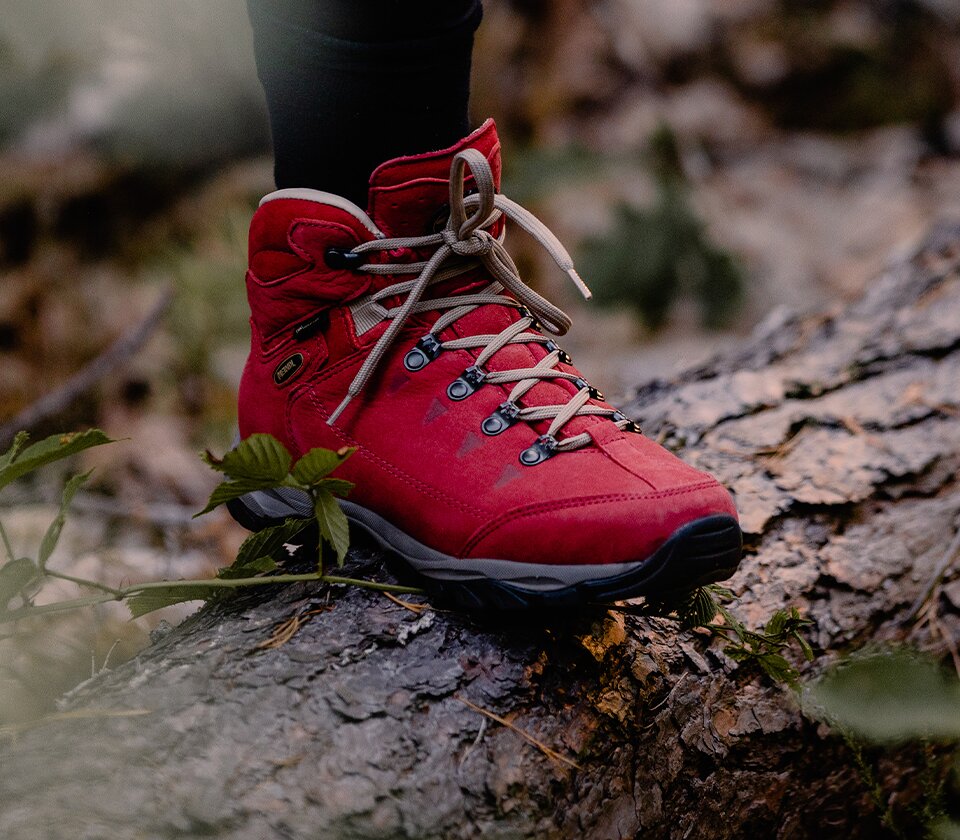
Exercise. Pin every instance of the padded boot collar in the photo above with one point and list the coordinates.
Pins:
(407, 194)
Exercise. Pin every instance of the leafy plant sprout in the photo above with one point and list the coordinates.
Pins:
(257, 463)
(261, 462)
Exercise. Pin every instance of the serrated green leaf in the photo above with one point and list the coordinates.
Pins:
(318, 464)
(263, 544)
(14, 576)
(252, 568)
(259, 457)
(149, 600)
(890, 697)
(228, 490)
(52, 537)
(775, 625)
(777, 668)
(804, 646)
(16, 447)
(333, 524)
(700, 610)
(337, 486)
(48, 450)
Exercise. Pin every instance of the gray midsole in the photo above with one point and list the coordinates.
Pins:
(284, 502)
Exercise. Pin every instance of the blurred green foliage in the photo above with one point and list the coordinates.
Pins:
(892, 697)
(652, 256)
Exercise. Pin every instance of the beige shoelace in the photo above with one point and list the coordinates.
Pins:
(466, 244)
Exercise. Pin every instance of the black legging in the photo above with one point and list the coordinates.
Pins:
(351, 83)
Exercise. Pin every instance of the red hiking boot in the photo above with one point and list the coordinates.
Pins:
(484, 458)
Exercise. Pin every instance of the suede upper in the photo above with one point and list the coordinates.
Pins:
(422, 461)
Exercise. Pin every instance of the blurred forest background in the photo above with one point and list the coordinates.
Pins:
(707, 161)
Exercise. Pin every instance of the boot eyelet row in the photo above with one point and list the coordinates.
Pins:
(545, 447)
(423, 352)
(502, 418)
(468, 382)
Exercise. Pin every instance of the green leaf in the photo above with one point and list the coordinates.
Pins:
(251, 568)
(319, 463)
(263, 545)
(228, 490)
(890, 697)
(778, 669)
(52, 537)
(258, 458)
(334, 527)
(776, 624)
(149, 600)
(700, 610)
(804, 645)
(14, 576)
(337, 486)
(48, 450)
(19, 441)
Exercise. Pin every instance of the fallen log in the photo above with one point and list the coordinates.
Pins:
(840, 435)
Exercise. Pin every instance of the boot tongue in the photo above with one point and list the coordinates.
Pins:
(408, 195)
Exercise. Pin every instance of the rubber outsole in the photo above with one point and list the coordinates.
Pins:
(701, 552)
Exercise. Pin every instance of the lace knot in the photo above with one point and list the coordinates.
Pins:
(475, 244)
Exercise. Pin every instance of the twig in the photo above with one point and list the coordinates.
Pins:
(163, 515)
(286, 630)
(416, 609)
(14, 729)
(84, 379)
(547, 751)
(6, 542)
(949, 556)
(476, 742)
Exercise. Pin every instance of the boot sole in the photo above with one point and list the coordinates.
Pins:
(703, 551)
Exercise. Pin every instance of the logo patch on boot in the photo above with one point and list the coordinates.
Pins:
(288, 368)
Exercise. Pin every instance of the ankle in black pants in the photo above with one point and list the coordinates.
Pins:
(352, 83)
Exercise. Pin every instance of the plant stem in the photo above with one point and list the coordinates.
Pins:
(83, 582)
(371, 584)
(6, 542)
(200, 585)
(59, 606)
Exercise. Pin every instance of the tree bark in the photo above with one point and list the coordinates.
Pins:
(840, 435)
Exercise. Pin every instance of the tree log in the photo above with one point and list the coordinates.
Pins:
(840, 435)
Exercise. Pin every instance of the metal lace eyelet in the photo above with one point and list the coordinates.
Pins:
(630, 426)
(502, 418)
(545, 447)
(343, 258)
(423, 352)
(468, 382)
(565, 357)
(595, 393)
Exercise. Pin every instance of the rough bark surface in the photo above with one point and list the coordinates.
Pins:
(841, 438)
